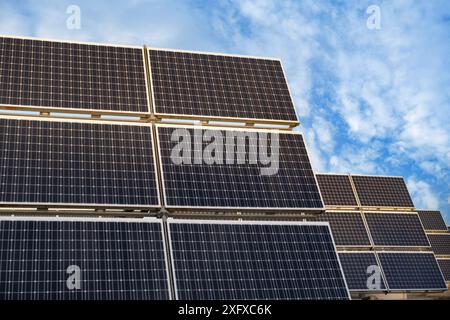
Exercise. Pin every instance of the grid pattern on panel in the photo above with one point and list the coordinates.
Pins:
(359, 268)
(336, 190)
(255, 261)
(70, 75)
(382, 191)
(432, 220)
(444, 264)
(395, 229)
(440, 243)
(411, 271)
(232, 184)
(76, 163)
(115, 260)
(347, 227)
(219, 86)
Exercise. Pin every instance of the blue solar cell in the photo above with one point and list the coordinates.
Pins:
(255, 260)
(116, 260)
(411, 271)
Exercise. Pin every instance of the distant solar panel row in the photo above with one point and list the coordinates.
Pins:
(255, 261)
(71, 75)
(347, 227)
(336, 190)
(444, 264)
(210, 85)
(440, 243)
(76, 163)
(395, 229)
(432, 220)
(82, 260)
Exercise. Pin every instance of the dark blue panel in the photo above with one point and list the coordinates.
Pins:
(255, 261)
(336, 190)
(72, 76)
(432, 220)
(440, 243)
(395, 229)
(444, 264)
(359, 268)
(411, 271)
(76, 163)
(235, 185)
(117, 260)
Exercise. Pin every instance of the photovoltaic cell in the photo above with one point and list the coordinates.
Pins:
(210, 85)
(440, 243)
(382, 191)
(336, 190)
(215, 261)
(432, 220)
(444, 264)
(347, 227)
(411, 271)
(359, 269)
(72, 76)
(396, 229)
(53, 162)
(113, 260)
(228, 183)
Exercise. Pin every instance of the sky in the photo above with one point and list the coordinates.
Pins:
(370, 100)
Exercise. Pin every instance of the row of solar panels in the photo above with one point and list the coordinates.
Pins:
(109, 164)
(192, 260)
(76, 77)
(438, 234)
(343, 190)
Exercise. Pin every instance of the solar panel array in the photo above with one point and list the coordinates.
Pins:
(395, 229)
(218, 86)
(444, 264)
(432, 220)
(75, 76)
(336, 190)
(362, 271)
(228, 183)
(91, 259)
(376, 191)
(440, 243)
(76, 163)
(255, 261)
(411, 271)
(347, 227)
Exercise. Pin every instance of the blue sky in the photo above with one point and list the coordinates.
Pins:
(370, 101)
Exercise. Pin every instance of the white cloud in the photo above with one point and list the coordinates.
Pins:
(422, 193)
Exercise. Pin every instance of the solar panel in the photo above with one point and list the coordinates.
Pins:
(440, 243)
(444, 264)
(396, 229)
(60, 75)
(347, 227)
(76, 163)
(254, 260)
(219, 86)
(382, 191)
(82, 259)
(362, 271)
(411, 271)
(336, 190)
(235, 175)
(432, 220)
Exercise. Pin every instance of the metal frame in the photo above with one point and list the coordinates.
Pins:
(162, 115)
(93, 205)
(246, 222)
(267, 209)
(412, 290)
(48, 109)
